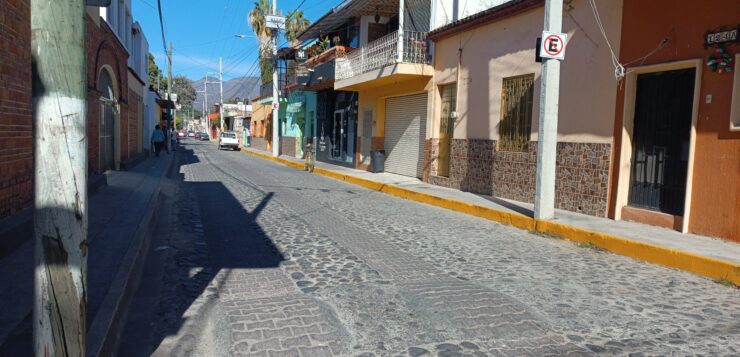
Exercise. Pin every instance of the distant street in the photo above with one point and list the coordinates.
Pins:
(255, 258)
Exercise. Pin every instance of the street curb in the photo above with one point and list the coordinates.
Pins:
(105, 329)
(710, 267)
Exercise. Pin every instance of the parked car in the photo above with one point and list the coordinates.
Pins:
(191, 134)
(203, 137)
(228, 140)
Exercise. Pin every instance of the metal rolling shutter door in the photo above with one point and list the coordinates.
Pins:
(405, 123)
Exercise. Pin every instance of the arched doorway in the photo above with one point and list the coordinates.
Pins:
(107, 123)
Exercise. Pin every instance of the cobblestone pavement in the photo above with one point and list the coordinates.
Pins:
(271, 261)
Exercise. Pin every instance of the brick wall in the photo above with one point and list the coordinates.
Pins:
(103, 49)
(16, 120)
(135, 101)
(582, 173)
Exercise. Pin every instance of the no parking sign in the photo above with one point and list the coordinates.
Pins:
(553, 45)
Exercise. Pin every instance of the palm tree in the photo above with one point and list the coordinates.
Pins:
(257, 19)
(258, 22)
(295, 25)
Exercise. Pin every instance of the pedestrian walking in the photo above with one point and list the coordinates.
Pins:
(173, 139)
(166, 142)
(248, 136)
(157, 140)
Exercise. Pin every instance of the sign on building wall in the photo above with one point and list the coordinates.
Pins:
(301, 55)
(553, 45)
(719, 36)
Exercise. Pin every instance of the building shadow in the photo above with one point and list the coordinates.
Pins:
(218, 236)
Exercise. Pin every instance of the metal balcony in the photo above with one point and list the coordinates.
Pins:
(383, 52)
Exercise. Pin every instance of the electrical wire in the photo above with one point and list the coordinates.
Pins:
(619, 71)
(161, 25)
(661, 44)
(251, 71)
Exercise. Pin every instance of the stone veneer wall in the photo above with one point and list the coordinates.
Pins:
(287, 146)
(475, 166)
(258, 143)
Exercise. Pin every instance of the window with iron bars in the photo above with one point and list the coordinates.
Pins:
(516, 113)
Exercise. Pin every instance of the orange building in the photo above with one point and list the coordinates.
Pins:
(676, 153)
(261, 124)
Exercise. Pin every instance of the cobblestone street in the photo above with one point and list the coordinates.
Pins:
(258, 259)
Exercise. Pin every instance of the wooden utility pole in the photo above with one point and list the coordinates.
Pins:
(221, 90)
(169, 89)
(60, 181)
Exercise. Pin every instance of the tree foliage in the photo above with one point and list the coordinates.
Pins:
(155, 74)
(267, 67)
(182, 86)
(295, 24)
(258, 22)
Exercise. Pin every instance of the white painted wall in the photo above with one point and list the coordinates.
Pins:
(447, 11)
(119, 17)
(138, 51)
(150, 118)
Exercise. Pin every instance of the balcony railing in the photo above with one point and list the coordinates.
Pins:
(383, 52)
(328, 55)
(266, 90)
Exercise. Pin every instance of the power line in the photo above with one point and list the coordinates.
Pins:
(206, 43)
(161, 25)
(619, 71)
(299, 6)
(234, 65)
(148, 4)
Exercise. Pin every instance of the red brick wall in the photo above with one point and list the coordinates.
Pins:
(16, 120)
(135, 101)
(103, 49)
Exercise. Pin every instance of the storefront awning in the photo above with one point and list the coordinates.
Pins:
(309, 43)
(294, 107)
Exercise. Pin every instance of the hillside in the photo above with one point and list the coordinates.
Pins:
(242, 87)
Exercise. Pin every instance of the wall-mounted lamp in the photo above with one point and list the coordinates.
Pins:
(377, 15)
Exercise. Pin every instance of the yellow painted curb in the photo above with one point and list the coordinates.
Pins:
(706, 266)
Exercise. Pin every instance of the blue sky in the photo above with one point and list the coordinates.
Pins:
(203, 30)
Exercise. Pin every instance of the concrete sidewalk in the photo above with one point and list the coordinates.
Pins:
(711, 257)
(120, 217)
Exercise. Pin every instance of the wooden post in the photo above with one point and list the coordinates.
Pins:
(60, 166)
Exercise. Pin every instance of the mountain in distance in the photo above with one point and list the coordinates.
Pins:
(240, 87)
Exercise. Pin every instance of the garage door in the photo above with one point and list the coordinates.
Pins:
(405, 128)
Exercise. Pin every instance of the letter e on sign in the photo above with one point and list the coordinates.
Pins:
(553, 45)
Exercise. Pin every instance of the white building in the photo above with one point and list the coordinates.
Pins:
(119, 18)
(445, 12)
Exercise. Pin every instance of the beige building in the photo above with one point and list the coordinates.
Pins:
(485, 104)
